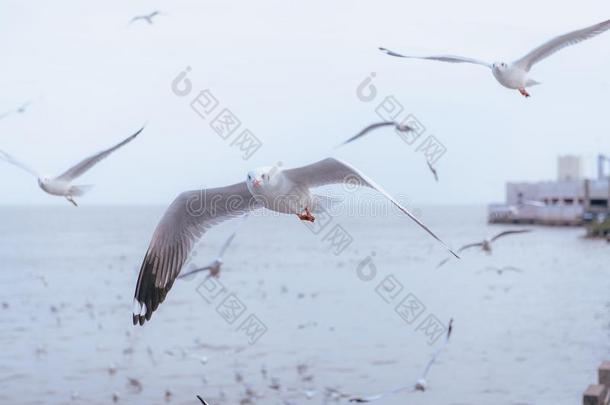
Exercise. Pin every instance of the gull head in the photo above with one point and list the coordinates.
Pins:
(420, 385)
(259, 179)
(44, 180)
(500, 66)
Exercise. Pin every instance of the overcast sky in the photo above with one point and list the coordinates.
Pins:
(289, 71)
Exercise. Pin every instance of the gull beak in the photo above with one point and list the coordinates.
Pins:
(256, 183)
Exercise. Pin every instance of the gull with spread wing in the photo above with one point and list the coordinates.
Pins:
(214, 267)
(399, 128)
(420, 384)
(485, 245)
(515, 75)
(145, 17)
(192, 213)
(62, 184)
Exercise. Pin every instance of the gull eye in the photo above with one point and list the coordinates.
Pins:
(249, 177)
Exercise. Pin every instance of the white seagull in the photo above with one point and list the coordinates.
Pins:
(19, 110)
(515, 75)
(214, 267)
(61, 185)
(485, 244)
(399, 127)
(145, 17)
(420, 384)
(192, 213)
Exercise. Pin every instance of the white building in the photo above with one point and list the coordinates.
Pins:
(567, 201)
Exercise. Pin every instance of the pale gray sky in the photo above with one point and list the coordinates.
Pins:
(289, 72)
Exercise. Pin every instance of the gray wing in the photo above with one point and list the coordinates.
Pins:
(558, 43)
(9, 159)
(440, 58)
(399, 127)
(433, 170)
(470, 245)
(439, 350)
(334, 171)
(91, 161)
(501, 234)
(186, 220)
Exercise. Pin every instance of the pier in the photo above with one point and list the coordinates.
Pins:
(599, 394)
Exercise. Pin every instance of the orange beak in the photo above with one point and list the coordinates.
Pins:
(256, 183)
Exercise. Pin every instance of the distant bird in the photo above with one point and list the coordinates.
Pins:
(420, 384)
(515, 75)
(61, 185)
(399, 127)
(146, 17)
(485, 245)
(501, 270)
(202, 400)
(19, 110)
(194, 212)
(214, 267)
(433, 170)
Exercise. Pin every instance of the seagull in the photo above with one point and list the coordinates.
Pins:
(61, 185)
(215, 266)
(399, 127)
(146, 17)
(420, 384)
(19, 110)
(202, 400)
(515, 75)
(500, 270)
(193, 212)
(485, 245)
(433, 170)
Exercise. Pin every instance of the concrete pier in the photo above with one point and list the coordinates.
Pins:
(599, 394)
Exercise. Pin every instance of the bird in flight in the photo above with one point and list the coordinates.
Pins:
(485, 244)
(515, 75)
(399, 127)
(146, 17)
(501, 270)
(202, 400)
(287, 191)
(62, 184)
(19, 110)
(214, 267)
(421, 383)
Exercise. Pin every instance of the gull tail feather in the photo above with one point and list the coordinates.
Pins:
(531, 82)
(323, 203)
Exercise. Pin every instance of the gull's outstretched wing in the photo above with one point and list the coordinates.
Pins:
(440, 58)
(558, 43)
(440, 349)
(501, 234)
(399, 127)
(334, 171)
(91, 161)
(376, 397)
(197, 270)
(433, 170)
(9, 159)
(470, 245)
(190, 215)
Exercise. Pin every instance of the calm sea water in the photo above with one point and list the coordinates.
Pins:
(68, 275)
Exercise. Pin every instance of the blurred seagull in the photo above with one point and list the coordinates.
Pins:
(420, 384)
(215, 266)
(202, 400)
(501, 270)
(515, 75)
(61, 185)
(433, 170)
(194, 212)
(19, 110)
(485, 245)
(146, 17)
(399, 127)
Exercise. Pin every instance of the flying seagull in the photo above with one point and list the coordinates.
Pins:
(202, 400)
(501, 270)
(61, 185)
(485, 245)
(372, 127)
(420, 384)
(433, 170)
(214, 267)
(515, 75)
(192, 213)
(19, 110)
(145, 17)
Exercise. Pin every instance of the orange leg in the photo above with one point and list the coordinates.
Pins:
(306, 215)
(524, 92)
